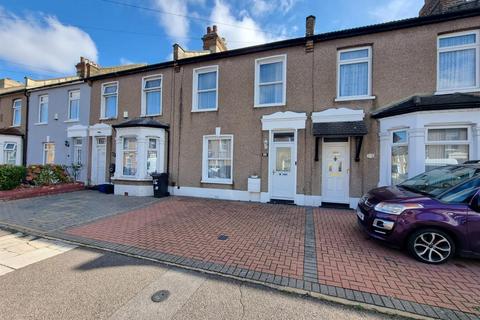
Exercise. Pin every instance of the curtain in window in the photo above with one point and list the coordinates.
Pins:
(207, 93)
(457, 69)
(129, 156)
(153, 102)
(354, 79)
(111, 106)
(74, 109)
(219, 159)
(271, 83)
(441, 155)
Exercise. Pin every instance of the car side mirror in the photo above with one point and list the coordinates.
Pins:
(475, 203)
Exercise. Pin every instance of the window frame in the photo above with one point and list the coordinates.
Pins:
(195, 91)
(268, 60)
(156, 149)
(7, 150)
(43, 96)
(368, 59)
(468, 142)
(70, 92)
(103, 99)
(475, 46)
(399, 144)
(15, 110)
(77, 147)
(45, 151)
(145, 91)
(205, 178)
(129, 150)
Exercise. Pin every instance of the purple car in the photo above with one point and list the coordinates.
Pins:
(434, 215)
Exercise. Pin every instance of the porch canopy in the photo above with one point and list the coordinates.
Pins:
(339, 123)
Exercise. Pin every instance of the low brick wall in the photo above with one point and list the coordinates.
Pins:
(30, 192)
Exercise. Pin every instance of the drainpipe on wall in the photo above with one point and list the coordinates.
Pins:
(25, 137)
(167, 130)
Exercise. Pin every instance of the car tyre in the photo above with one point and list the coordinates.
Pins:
(432, 246)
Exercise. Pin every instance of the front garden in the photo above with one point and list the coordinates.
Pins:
(17, 182)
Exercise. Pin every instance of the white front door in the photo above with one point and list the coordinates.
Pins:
(336, 171)
(99, 160)
(283, 166)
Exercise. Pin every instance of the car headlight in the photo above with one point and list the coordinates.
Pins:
(396, 208)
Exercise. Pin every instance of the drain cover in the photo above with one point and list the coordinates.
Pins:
(160, 296)
(222, 237)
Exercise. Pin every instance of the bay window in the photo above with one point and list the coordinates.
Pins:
(74, 105)
(10, 153)
(152, 96)
(152, 155)
(129, 156)
(270, 81)
(48, 153)
(458, 59)
(17, 113)
(217, 159)
(109, 100)
(43, 109)
(399, 156)
(446, 146)
(354, 73)
(205, 89)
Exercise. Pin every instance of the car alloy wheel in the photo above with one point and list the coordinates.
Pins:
(431, 246)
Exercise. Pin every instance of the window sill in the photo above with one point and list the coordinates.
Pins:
(204, 110)
(340, 99)
(217, 182)
(16, 126)
(41, 123)
(71, 120)
(151, 115)
(130, 178)
(112, 118)
(468, 90)
(270, 105)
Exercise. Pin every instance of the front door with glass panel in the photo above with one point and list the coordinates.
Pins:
(283, 166)
(335, 172)
(99, 161)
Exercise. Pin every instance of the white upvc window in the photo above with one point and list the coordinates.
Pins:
(152, 95)
(152, 155)
(399, 164)
(48, 153)
(77, 150)
(205, 89)
(17, 113)
(74, 105)
(458, 62)
(43, 109)
(271, 81)
(10, 153)
(354, 74)
(217, 159)
(129, 156)
(447, 146)
(109, 104)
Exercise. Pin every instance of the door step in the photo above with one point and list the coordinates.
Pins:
(278, 201)
(332, 205)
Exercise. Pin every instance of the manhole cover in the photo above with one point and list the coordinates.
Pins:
(222, 237)
(160, 296)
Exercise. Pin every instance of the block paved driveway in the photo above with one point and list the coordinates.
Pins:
(321, 251)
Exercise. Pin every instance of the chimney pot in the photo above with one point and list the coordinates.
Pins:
(214, 28)
(310, 26)
(209, 30)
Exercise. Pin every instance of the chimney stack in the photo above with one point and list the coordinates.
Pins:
(310, 26)
(8, 83)
(432, 7)
(86, 68)
(212, 41)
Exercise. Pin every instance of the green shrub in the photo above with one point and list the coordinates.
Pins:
(44, 175)
(11, 176)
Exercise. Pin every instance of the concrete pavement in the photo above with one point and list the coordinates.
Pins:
(90, 284)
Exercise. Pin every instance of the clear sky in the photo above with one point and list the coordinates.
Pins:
(45, 38)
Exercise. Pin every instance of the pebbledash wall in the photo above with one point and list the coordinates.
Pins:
(403, 63)
(61, 136)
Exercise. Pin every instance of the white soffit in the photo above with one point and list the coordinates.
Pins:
(77, 131)
(100, 130)
(284, 120)
(338, 115)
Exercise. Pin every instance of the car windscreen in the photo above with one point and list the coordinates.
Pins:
(439, 180)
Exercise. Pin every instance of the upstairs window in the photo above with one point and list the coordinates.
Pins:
(74, 105)
(458, 62)
(270, 81)
(43, 109)
(17, 113)
(109, 100)
(152, 96)
(10, 153)
(205, 89)
(48, 153)
(354, 73)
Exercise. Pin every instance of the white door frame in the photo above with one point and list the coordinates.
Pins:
(347, 162)
(271, 165)
(94, 177)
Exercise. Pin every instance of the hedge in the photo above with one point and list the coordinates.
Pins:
(44, 175)
(11, 176)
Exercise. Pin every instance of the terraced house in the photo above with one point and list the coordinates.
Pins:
(312, 120)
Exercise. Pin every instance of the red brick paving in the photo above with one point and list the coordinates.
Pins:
(346, 258)
(265, 238)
